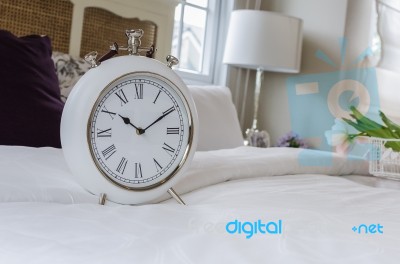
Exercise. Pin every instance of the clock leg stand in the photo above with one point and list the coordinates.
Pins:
(102, 198)
(176, 196)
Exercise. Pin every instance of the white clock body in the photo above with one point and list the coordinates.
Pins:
(129, 129)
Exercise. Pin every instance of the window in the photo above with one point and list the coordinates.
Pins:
(195, 39)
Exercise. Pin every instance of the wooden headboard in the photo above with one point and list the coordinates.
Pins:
(80, 26)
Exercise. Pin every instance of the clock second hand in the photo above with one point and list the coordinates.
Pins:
(127, 121)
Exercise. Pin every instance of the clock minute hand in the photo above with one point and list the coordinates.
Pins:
(127, 121)
(161, 117)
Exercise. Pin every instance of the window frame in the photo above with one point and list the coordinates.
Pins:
(209, 59)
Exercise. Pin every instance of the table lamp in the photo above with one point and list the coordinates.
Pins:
(265, 41)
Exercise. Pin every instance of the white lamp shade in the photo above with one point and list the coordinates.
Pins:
(266, 40)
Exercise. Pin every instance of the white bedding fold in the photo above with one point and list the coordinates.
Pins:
(41, 174)
(212, 167)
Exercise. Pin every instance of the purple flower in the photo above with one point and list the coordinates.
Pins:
(291, 140)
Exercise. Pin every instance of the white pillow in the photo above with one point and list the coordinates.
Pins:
(218, 122)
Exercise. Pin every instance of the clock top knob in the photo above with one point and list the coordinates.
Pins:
(171, 61)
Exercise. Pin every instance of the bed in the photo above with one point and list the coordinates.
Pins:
(244, 204)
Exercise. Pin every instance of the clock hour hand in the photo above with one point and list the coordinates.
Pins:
(161, 117)
(127, 121)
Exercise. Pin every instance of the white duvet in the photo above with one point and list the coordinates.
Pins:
(45, 217)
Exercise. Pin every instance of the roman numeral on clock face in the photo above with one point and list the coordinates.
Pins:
(170, 150)
(139, 90)
(108, 152)
(122, 97)
(158, 166)
(156, 97)
(122, 165)
(105, 110)
(104, 133)
(138, 170)
(172, 130)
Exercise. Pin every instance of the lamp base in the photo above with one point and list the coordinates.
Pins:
(257, 138)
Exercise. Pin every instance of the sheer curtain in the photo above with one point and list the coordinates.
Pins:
(388, 67)
(389, 31)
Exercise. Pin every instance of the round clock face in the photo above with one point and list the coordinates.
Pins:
(139, 131)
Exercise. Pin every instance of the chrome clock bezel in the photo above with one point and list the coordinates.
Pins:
(187, 150)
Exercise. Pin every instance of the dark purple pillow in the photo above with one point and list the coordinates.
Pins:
(30, 104)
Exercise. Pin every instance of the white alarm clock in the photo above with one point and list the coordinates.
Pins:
(129, 126)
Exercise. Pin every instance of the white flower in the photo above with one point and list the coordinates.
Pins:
(339, 136)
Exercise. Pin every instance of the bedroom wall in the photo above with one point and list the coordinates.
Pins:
(323, 24)
(273, 95)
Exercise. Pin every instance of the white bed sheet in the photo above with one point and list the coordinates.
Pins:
(56, 221)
